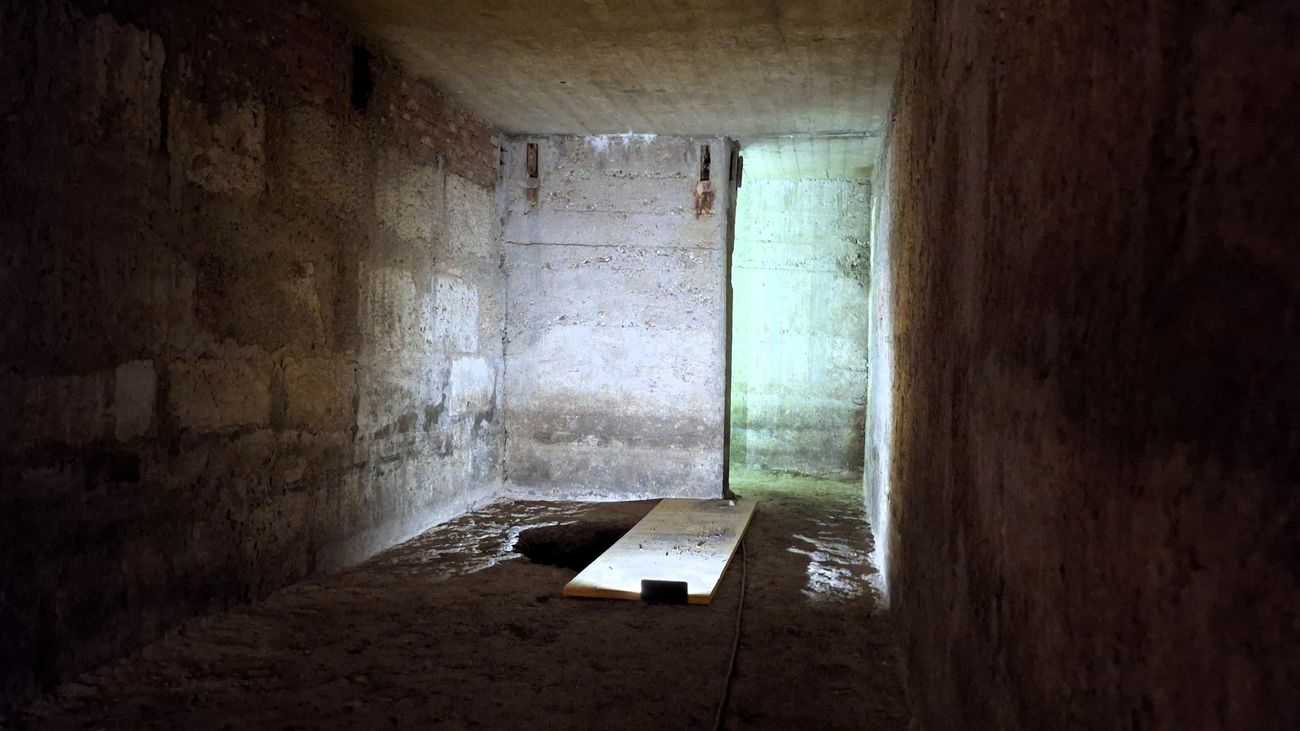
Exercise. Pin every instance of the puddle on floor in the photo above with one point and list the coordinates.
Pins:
(837, 570)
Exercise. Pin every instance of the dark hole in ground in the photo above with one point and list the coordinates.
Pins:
(363, 81)
(571, 546)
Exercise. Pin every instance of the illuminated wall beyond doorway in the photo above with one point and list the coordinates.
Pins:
(799, 325)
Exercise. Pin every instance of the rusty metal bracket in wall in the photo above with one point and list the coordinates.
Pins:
(704, 193)
(534, 182)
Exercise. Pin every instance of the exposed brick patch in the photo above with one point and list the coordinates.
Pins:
(429, 126)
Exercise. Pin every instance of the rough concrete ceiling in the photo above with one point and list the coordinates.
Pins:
(744, 69)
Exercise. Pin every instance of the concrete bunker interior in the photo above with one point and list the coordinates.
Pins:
(337, 335)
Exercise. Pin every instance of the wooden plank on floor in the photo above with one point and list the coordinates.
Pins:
(679, 540)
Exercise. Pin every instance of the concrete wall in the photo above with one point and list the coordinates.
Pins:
(798, 373)
(1093, 275)
(878, 446)
(616, 316)
(250, 332)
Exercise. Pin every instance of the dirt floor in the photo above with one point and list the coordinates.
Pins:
(454, 629)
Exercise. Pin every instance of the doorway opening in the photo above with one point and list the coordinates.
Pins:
(798, 324)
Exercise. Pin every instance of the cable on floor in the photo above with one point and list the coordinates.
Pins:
(735, 644)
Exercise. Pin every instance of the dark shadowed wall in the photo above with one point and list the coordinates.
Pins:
(1094, 277)
(252, 322)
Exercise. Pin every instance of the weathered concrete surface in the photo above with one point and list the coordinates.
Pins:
(878, 443)
(799, 326)
(616, 317)
(1094, 274)
(689, 67)
(250, 333)
(843, 156)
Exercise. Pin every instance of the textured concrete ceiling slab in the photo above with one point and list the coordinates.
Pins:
(734, 67)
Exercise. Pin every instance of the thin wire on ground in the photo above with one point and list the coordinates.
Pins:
(735, 644)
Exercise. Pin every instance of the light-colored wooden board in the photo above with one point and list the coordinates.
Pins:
(679, 540)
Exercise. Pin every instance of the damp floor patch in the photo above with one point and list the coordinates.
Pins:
(681, 541)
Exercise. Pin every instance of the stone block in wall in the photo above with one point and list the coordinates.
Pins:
(456, 324)
(322, 160)
(407, 198)
(87, 79)
(471, 388)
(218, 394)
(75, 408)
(62, 409)
(264, 299)
(492, 316)
(319, 393)
(135, 390)
(396, 317)
(222, 150)
(121, 70)
(402, 368)
(470, 219)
